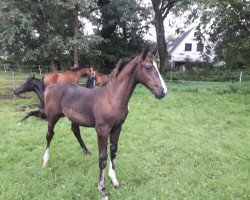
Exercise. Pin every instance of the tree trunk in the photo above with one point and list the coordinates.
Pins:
(161, 42)
(53, 66)
(76, 27)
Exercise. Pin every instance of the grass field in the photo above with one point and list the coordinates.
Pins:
(194, 144)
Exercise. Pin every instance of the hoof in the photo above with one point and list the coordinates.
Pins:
(116, 184)
(104, 197)
(87, 152)
(116, 187)
(45, 164)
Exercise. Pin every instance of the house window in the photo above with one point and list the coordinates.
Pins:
(188, 47)
(200, 47)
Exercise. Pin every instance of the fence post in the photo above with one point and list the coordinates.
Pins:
(40, 70)
(14, 82)
(240, 75)
(171, 75)
(4, 66)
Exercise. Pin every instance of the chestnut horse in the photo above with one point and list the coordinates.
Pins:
(69, 76)
(104, 108)
(33, 84)
(100, 79)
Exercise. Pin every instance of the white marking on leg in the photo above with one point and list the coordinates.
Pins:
(161, 79)
(46, 158)
(101, 187)
(112, 175)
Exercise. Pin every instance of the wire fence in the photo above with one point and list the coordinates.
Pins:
(13, 76)
(209, 76)
(26, 68)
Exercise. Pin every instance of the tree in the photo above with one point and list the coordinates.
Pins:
(121, 28)
(230, 31)
(79, 10)
(45, 32)
(162, 9)
(228, 25)
(76, 30)
(36, 32)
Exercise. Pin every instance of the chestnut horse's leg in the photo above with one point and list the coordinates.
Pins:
(76, 130)
(49, 136)
(114, 137)
(102, 133)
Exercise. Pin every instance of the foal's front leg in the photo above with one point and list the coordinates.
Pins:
(102, 144)
(114, 137)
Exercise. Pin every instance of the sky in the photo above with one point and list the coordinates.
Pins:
(171, 23)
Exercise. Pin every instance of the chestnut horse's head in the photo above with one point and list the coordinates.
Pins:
(87, 71)
(149, 75)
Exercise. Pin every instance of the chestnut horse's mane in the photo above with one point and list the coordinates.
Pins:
(76, 69)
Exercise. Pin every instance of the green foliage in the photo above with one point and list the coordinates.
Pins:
(121, 28)
(227, 23)
(237, 53)
(36, 32)
(42, 32)
(198, 64)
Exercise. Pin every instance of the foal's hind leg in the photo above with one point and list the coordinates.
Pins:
(76, 130)
(49, 136)
(114, 137)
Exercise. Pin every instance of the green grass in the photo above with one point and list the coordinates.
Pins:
(194, 144)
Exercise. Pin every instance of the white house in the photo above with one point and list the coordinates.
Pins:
(186, 47)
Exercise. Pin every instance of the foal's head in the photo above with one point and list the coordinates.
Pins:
(148, 74)
(27, 86)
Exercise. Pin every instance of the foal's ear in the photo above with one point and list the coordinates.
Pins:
(32, 76)
(155, 51)
(145, 52)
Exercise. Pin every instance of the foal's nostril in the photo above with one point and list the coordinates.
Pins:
(160, 94)
(163, 93)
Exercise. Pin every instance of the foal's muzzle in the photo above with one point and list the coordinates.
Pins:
(15, 92)
(161, 93)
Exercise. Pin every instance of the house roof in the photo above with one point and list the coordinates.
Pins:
(178, 40)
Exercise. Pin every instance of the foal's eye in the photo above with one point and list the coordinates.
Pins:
(149, 68)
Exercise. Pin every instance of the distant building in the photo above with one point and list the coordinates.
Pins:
(186, 47)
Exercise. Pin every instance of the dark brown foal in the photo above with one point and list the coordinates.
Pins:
(105, 108)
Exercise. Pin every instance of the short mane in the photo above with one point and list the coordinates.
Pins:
(76, 69)
(121, 65)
